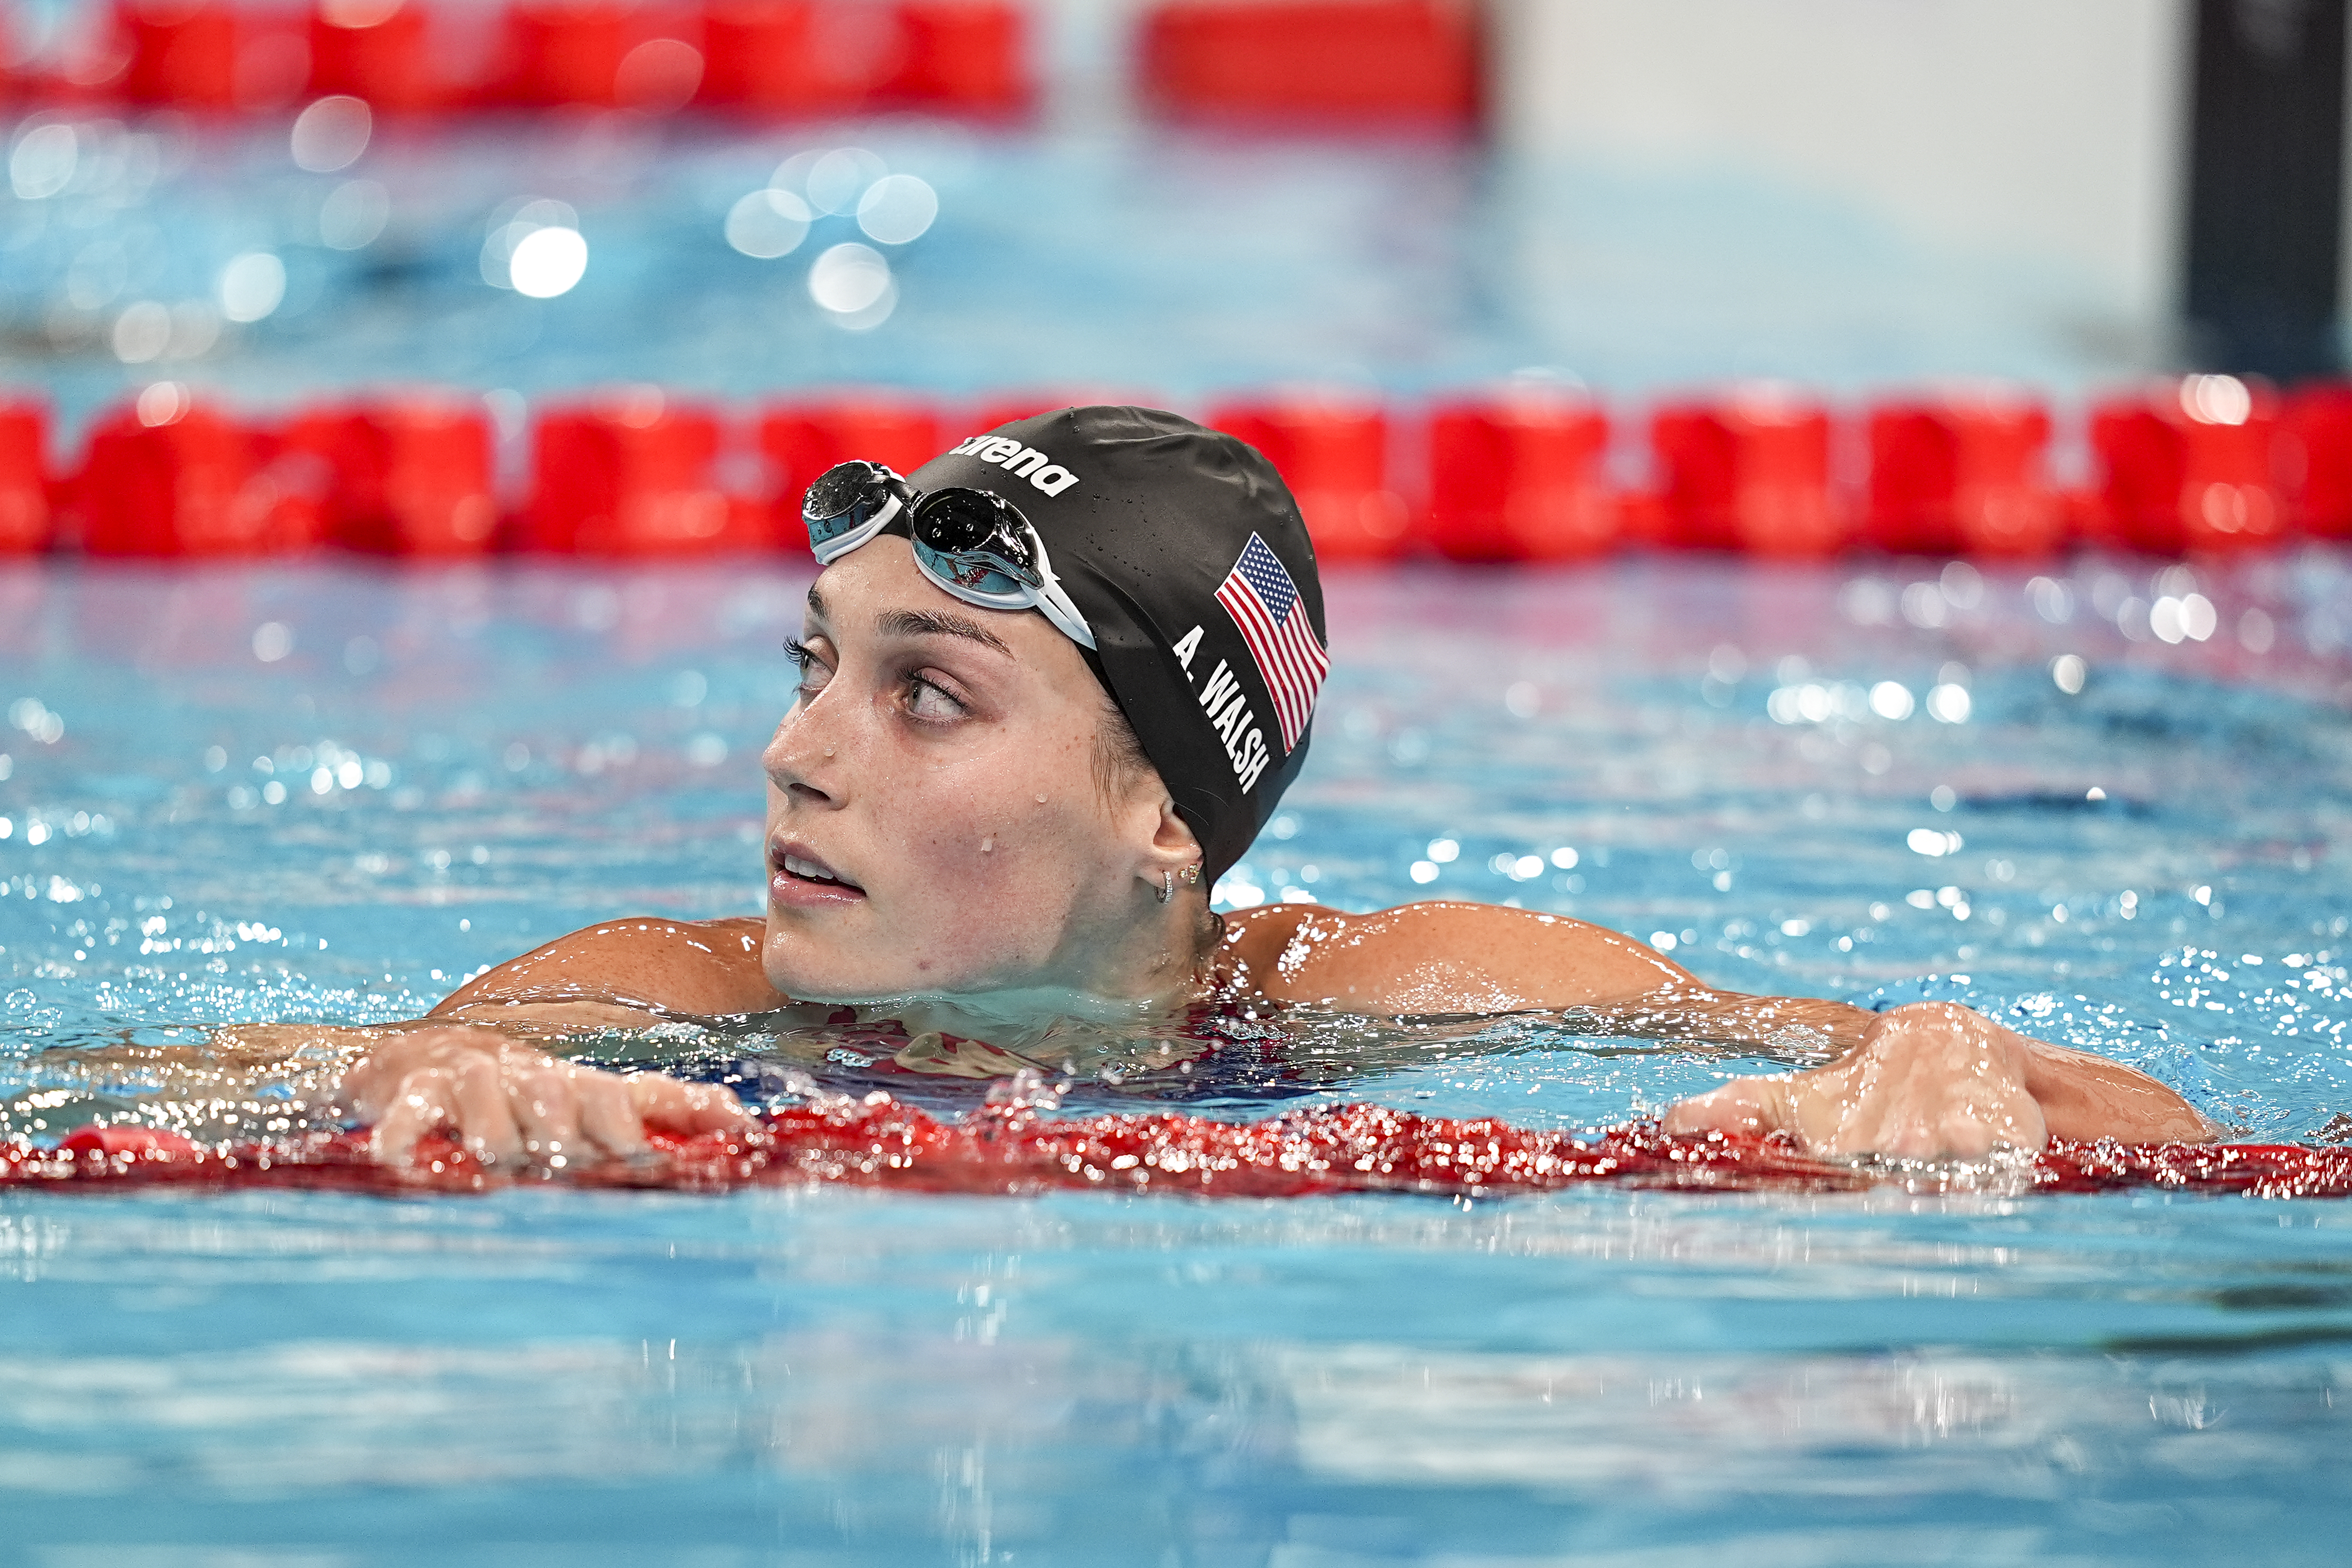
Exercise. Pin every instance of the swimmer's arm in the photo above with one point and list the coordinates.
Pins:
(471, 1064)
(619, 974)
(1932, 1076)
(1449, 957)
(622, 974)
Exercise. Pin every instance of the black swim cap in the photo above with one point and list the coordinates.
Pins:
(1186, 555)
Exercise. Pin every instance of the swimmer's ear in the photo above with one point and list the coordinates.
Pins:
(1174, 849)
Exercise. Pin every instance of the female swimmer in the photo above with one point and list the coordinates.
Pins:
(1051, 688)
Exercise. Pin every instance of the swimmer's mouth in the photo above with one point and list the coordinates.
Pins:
(805, 868)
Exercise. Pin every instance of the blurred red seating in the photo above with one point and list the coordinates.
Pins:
(1313, 62)
(1516, 476)
(1962, 473)
(1750, 471)
(24, 476)
(802, 438)
(631, 473)
(2319, 421)
(2190, 464)
(169, 476)
(380, 50)
(1333, 451)
(411, 475)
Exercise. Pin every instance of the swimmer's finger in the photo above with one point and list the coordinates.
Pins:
(419, 1103)
(684, 1107)
(485, 1118)
(609, 1116)
(369, 1082)
(546, 1111)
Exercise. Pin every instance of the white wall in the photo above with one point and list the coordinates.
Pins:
(2050, 132)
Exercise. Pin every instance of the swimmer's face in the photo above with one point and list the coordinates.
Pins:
(939, 768)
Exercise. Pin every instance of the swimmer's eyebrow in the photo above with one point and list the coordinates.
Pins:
(937, 624)
(816, 605)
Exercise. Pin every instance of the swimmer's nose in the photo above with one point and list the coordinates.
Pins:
(798, 763)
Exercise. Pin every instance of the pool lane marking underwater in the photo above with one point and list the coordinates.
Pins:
(878, 1141)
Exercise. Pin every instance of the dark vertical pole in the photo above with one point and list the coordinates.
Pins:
(2266, 185)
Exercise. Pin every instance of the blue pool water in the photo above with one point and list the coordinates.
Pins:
(1092, 252)
(470, 762)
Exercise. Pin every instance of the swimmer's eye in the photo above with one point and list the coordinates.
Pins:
(813, 670)
(926, 698)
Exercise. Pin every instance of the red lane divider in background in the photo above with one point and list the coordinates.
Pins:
(2317, 458)
(381, 52)
(1333, 450)
(1749, 472)
(24, 509)
(633, 474)
(1517, 476)
(1965, 475)
(802, 438)
(204, 56)
(972, 55)
(2193, 464)
(560, 52)
(792, 57)
(1515, 473)
(410, 475)
(1012, 1150)
(1320, 63)
(171, 477)
(766, 57)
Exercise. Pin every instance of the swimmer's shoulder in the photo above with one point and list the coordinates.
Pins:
(624, 973)
(1440, 956)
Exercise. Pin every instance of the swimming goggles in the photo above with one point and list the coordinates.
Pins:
(972, 544)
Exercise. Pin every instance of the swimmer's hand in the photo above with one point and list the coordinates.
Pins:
(1937, 1081)
(512, 1106)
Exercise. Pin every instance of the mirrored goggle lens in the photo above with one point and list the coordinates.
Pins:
(840, 492)
(975, 574)
(960, 521)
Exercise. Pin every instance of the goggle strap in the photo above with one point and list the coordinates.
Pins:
(1053, 602)
(1056, 607)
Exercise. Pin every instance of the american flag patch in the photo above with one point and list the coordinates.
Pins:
(1264, 603)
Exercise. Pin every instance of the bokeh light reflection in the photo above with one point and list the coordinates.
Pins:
(331, 134)
(768, 223)
(897, 209)
(852, 283)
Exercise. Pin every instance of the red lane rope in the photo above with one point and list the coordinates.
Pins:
(880, 1143)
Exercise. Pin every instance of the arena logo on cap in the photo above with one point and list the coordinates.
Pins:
(1026, 461)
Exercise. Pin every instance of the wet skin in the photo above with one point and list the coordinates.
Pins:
(942, 848)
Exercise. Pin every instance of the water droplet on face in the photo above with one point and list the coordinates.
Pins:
(1041, 800)
(987, 845)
